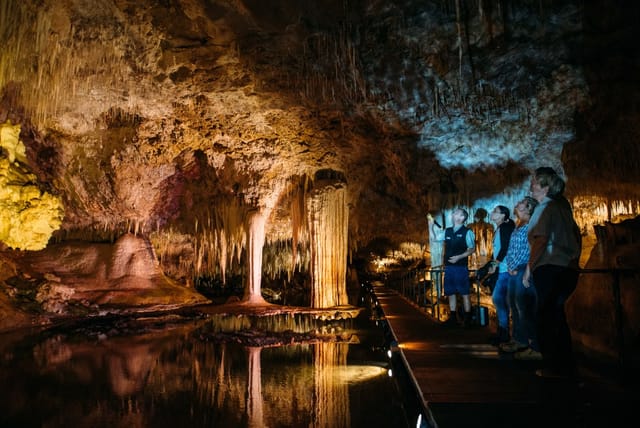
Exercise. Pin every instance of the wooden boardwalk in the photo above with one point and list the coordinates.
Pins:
(466, 382)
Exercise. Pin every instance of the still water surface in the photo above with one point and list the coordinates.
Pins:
(195, 372)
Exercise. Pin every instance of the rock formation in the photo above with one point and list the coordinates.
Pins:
(173, 120)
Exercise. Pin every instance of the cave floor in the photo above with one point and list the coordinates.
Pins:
(466, 382)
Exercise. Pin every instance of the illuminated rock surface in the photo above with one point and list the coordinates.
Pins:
(88, 279)
(28, 215)
(176, 119)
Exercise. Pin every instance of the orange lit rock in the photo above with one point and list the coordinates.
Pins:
(81, 277)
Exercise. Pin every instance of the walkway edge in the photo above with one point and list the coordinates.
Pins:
(425, 419)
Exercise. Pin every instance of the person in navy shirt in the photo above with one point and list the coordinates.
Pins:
(459, 244)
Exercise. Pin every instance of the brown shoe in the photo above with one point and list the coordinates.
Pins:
(512, 346)
(527, 354)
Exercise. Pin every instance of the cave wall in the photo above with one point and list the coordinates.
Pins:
(603, 311)
(173, 119)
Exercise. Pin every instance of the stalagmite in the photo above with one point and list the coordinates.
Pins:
(328, 217)
(256, 232)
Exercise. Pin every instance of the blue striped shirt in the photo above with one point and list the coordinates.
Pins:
(518, 252)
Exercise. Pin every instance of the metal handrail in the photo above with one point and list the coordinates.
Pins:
(412, 293)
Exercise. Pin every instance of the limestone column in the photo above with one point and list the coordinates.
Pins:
(328, 218)
(256, 221)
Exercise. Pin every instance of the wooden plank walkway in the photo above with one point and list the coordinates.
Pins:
(466, 382)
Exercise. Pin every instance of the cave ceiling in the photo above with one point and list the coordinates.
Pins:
(155, 114)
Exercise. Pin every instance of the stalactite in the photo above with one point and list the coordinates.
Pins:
(459, 31)
(221, 239)
(60, 61)
(298, 220)
(591, 210)
(467, 39)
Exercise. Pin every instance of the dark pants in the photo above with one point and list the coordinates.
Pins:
(554, 285)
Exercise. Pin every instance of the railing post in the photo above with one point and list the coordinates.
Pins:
(438, 286)
(617, 302)
(414, 287)
(421, 289)
(476, 283)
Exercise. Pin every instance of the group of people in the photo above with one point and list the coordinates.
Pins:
(536, 260)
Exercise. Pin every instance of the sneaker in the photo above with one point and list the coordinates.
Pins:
(512, 346)
(527, 354)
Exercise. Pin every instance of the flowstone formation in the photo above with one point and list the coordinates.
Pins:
(28, 215)
(88, 279)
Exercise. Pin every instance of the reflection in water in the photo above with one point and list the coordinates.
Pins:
(331, 399)
(254, 389)
(276, 323)
(172, 377)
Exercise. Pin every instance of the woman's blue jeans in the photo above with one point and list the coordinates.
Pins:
(523, 302)
(500, 301)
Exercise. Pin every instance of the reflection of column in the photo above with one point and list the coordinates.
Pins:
(222, 377)
(256, 224)
(331, 395)
(255, 413)
(129, 367)
(328, 216)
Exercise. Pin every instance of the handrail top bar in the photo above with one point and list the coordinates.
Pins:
(596, 270)
(607, 270)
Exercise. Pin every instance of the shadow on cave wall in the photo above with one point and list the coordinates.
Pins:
(611, 125)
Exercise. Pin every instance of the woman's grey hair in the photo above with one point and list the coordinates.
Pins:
(548, 177)
(557, 186)
(531, 204)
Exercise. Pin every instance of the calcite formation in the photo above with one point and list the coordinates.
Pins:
(28, 214)
(175, 120)
(103, 277)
